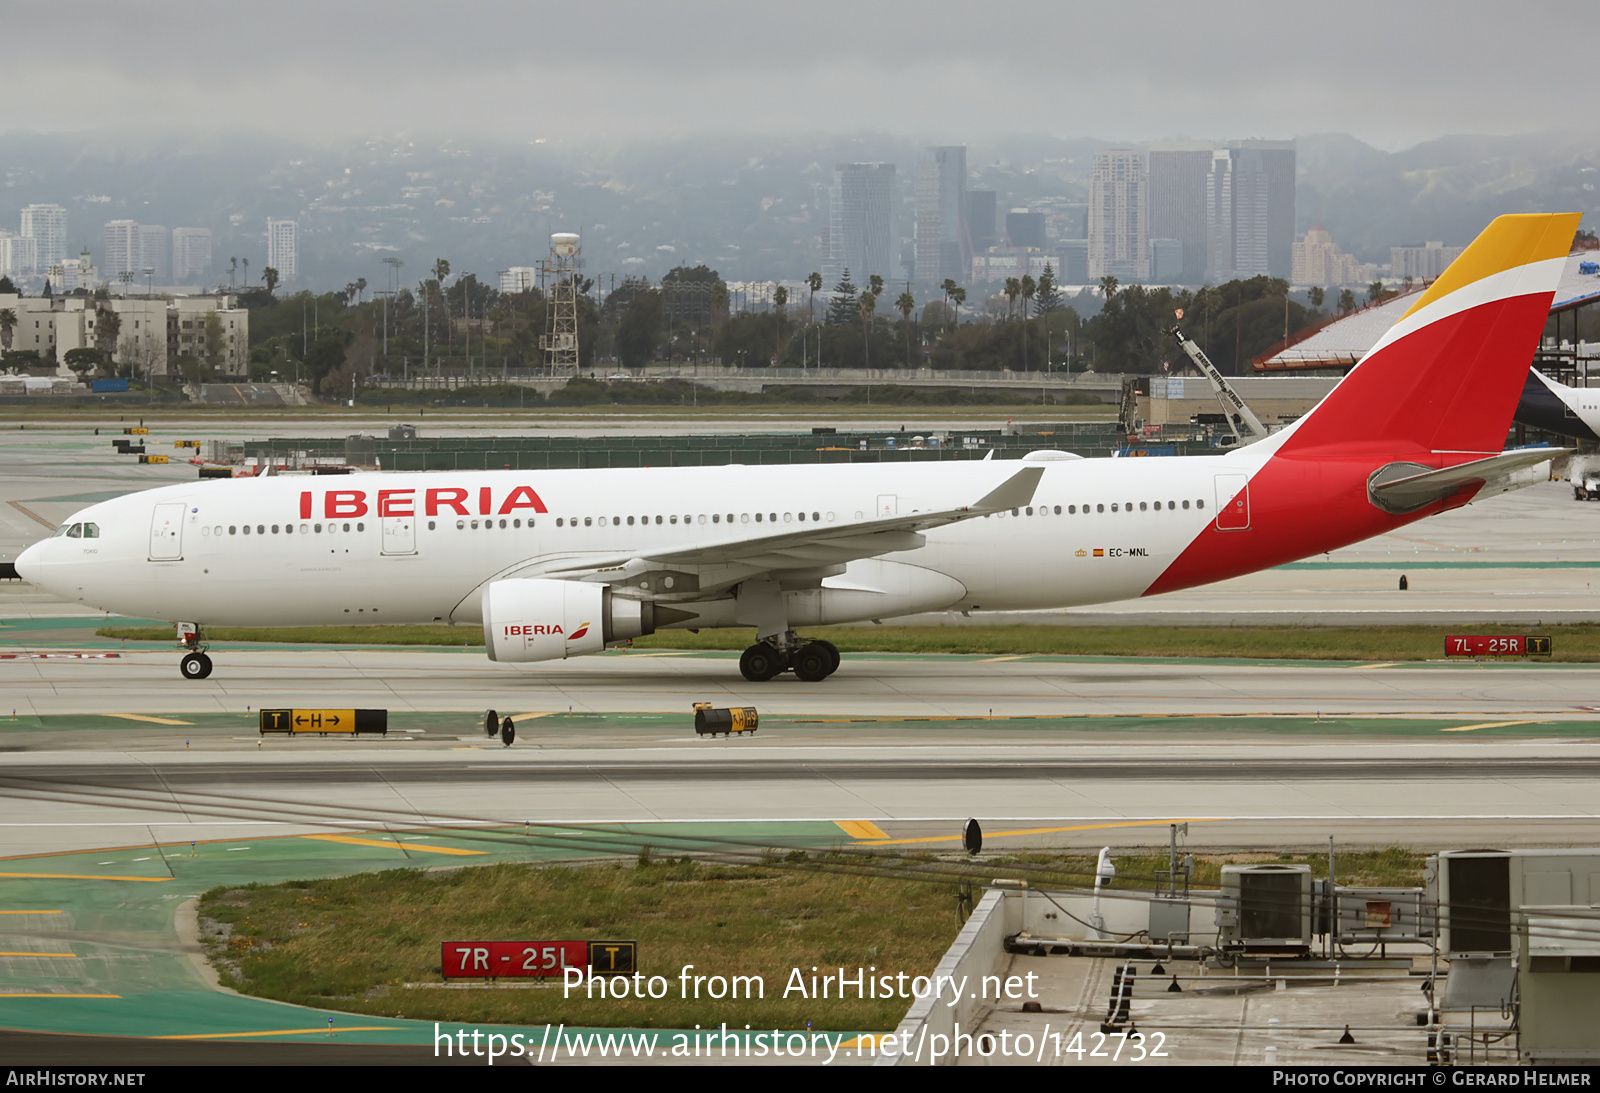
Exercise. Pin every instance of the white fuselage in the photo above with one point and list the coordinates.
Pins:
(259, 552)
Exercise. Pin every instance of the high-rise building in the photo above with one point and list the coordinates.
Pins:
(861, 222)
(1422, 261)
(283, 248)
(1319, 261)
(1178, 202)
(1219, 218)
(131, 247)
(982, 216)
(1119, 232)
(1025, 229)
(191, 255)
(944, 245)
(121, 251)
(1073, 256)
(155, 253)
(16, 255)
(46, 225)
(1250, 210)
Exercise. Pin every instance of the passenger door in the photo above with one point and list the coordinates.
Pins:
(166, 531)
(399, 534)
(1233, 502)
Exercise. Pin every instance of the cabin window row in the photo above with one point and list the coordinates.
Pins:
(284, 529)
(702, 518)
(1125, 506)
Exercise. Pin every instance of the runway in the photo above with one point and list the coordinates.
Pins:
(102, 677)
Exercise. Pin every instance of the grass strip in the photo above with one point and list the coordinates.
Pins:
(354, 942)
(1576, 643)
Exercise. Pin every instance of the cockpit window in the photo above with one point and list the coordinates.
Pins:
(91, 531)
(75, 531)
(60, 531)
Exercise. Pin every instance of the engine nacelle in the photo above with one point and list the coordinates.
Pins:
(525, 620)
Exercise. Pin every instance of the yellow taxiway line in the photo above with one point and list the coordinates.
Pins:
(1041, 831)
(391, 844)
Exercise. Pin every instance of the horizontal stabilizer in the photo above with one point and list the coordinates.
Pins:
(1400, 488)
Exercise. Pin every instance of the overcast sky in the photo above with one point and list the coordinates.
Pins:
(1391, 73)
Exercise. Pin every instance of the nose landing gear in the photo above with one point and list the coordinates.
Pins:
(195, 664)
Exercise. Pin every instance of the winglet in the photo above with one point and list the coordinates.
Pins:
(1013, 493)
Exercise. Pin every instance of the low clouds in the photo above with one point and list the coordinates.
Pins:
(1391, 74)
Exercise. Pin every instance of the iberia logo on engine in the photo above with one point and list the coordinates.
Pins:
(533, 631)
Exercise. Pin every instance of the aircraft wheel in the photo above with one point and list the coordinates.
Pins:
(812, 663)
(760, 662)
(833, 655)
(491, 723)
(196, 666)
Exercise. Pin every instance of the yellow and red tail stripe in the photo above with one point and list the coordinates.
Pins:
(1437, 390)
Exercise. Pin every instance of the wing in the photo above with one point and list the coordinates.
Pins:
(808, 553)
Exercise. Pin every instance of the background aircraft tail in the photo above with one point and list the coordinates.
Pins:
(1446, 378)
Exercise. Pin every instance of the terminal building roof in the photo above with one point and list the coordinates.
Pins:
(1343, 340)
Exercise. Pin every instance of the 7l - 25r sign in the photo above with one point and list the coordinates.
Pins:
(1486, 645)
(534, 959)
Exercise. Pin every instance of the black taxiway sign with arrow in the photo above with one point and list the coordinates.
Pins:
(325, 721)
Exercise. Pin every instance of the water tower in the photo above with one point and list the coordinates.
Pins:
(560, 342)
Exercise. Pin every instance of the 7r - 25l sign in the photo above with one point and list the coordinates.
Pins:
(534, 959)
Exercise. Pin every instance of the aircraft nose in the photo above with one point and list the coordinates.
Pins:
(30, 564)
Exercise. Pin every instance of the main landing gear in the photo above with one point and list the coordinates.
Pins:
(195, 664)
(811, 661)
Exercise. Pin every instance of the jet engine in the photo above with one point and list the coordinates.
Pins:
(526, 620)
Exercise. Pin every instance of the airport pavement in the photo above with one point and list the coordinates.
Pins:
(128, 789)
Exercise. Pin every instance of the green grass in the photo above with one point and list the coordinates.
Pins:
(1578, 643)
(353, 942)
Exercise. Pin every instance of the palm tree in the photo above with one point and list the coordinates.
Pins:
(246, 263)
(1028, 289)
(814, 283)
(780, 299)
(906, 304)
(958, 296)
(949, 288)
(1108, 285)
(1013, 289)
(270, 276)
(868, 303)
(1316, 295)
(8, 323)
(361, 286)
(875, 285)
(441, 270)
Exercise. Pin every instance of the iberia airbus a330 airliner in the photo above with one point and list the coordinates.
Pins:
(556, 564)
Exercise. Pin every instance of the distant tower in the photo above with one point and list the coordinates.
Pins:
(944, 246)
(1119, 233)
(283, 248)
(46, 225)
(561, 325)
(860, 221)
